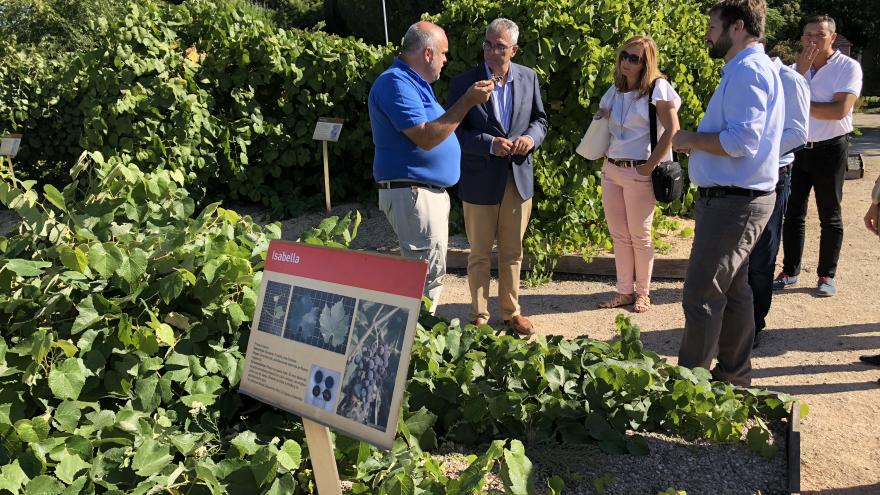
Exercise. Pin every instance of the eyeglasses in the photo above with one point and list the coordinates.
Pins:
(499, 48)
(629, 57)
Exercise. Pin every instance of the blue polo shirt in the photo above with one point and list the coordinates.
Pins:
(400, 99)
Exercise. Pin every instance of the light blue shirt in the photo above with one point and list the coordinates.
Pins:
(747, 111)
(797, 112)
(502, 101)
(502, 98)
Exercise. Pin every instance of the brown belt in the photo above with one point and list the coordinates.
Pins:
(408, 183)
(627, 163)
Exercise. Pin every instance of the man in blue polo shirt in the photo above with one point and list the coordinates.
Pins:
(417, 156)
(734, 163)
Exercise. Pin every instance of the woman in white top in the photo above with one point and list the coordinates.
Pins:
(627, 193)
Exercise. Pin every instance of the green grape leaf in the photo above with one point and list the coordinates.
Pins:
(12, 477)
(43, 485)
(150, 458)
(290, 455)
(105, 259)
(69, 466)
(516, 471)
(335, 323)
(66, 381)
(26, 268)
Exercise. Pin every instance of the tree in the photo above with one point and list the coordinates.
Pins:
(858, 20)
(65, 25)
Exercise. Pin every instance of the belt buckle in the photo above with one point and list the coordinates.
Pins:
(810, 145)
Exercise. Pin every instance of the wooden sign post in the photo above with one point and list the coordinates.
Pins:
(323, 459)
(327, 129)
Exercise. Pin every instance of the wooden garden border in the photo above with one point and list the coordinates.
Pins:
(672, 268)
(793, 448)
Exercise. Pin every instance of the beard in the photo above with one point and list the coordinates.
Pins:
(720, 47)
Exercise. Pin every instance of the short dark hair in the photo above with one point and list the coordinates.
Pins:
(751, 12)
(832, 26)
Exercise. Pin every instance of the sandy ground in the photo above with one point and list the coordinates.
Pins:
(810, 349)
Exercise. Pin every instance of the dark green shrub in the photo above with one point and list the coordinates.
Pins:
(363, 18)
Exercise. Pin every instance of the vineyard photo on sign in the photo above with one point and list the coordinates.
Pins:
(332, 336)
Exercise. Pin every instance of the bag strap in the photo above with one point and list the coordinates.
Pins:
(652, 116)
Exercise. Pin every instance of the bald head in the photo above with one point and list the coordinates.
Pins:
(421, 35)
(424, 49)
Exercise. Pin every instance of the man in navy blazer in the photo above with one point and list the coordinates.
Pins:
(496, 186)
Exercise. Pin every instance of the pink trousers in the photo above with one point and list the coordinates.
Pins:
(628, 199)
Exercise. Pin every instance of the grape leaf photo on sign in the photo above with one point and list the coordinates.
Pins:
(320, 319)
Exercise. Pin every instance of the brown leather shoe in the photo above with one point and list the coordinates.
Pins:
(521, 324)
(478, 321)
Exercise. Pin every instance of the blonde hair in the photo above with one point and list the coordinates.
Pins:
(650, 70)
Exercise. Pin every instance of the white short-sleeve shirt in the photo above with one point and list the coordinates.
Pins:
(629, 126)
(840, 74)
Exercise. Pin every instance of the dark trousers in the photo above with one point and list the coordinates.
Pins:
(717, 300)
(821, 169)
(762, 261)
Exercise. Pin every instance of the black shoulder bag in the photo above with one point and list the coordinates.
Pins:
(667, 177)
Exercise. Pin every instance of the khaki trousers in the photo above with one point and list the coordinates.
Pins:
(420, 218)
(505, 222)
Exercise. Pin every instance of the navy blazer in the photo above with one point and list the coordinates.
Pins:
(483, 175)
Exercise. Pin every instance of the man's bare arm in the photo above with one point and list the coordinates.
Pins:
(836, 109)
(429, 134)
(703, 141)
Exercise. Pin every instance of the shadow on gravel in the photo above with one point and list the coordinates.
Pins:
(544, 304)
(814, 369)
(778, 341)
(826, 388)
(853, 490)
(868, 144)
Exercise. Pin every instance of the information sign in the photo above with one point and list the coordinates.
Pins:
(332, 335)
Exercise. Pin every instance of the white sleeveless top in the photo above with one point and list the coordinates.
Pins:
(630, 131)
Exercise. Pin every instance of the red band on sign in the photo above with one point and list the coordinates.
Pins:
(382, 273)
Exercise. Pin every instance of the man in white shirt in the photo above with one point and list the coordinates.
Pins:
(835, 83)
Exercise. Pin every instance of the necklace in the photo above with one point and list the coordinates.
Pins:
(624, 112)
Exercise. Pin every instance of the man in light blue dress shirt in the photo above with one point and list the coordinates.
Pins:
(734, 161)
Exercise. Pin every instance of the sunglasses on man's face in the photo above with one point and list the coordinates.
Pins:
(629, 57)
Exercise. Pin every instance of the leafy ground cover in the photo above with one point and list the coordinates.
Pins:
(125, 313)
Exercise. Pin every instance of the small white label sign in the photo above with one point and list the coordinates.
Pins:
(9, 144)
(327, 129)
